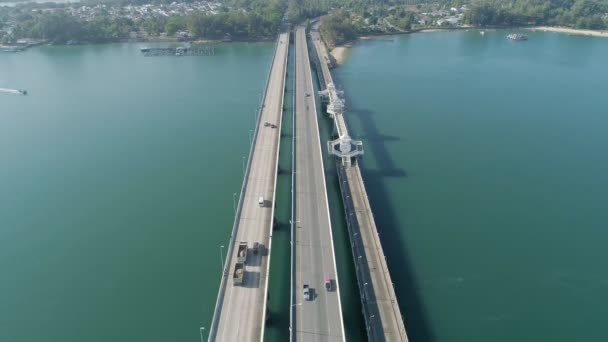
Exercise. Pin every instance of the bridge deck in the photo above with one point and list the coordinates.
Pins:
(340, 125)
(240, 310)
(382, 314)
(319, 319)
(380, 298)
(322, 55)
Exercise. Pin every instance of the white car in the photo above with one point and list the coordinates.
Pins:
(307, 292)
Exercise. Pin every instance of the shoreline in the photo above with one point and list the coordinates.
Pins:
(155, 40)
(579, 32)
(341, 52)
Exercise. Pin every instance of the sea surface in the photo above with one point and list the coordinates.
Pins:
(117, 174)
(487, 170)
(485, 163)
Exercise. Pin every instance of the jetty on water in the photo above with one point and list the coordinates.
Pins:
(203, 50)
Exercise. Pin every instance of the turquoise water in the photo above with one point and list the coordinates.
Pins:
(486, 167)
(484, 161)
(117, 174)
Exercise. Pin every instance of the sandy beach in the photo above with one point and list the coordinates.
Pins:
(571, 31)
(432, 30)
(339, 53)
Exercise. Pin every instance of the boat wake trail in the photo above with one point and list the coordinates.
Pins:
(13, 91)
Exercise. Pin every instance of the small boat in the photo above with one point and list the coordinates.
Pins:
(145, 49)
(517, 36)
(483, 33)
(22, 92)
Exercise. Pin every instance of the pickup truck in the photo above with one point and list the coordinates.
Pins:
(241, 254)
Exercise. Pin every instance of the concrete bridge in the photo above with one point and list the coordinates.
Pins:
(240, 311)
(383, 318)
(317, 317)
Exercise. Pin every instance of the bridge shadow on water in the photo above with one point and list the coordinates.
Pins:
(399, 262)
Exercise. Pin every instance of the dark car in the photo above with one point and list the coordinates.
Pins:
(328, 284)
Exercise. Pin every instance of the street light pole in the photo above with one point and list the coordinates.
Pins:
(234, 202)
(222, 257)
(202, 330)
(243, 166)
(369, 324)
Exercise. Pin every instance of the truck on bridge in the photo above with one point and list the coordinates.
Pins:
(239, 270)
(241, 255)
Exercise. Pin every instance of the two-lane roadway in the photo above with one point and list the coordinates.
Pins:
(318, 319)
(241, 308)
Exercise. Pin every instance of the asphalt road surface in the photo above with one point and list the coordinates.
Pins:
(242, 307)
(319, 319)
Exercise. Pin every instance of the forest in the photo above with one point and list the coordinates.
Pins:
(346, 23)
(260, 19)
(581, 14)
(255, 19)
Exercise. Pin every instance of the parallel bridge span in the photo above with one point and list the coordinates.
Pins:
(383, 319)
(240, 310)
(319, 317)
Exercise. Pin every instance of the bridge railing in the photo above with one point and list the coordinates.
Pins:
(293, 209)
(382, 257)
(225, 273)
(274, 194)
(369, 307)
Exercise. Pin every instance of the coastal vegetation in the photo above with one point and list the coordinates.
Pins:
(581, 14)
(343, 20)
(355, 18)
(237, 19)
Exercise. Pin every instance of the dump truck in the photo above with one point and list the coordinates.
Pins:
(241, 254)
(239, 270)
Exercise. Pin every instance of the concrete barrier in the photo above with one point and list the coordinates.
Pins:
(293, 211)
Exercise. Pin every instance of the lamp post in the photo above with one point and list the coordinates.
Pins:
(202, 330)
(369, 325)
(222, 256)
(234, 202)
(243, 166)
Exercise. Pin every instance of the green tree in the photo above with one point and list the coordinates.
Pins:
(175, 23)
